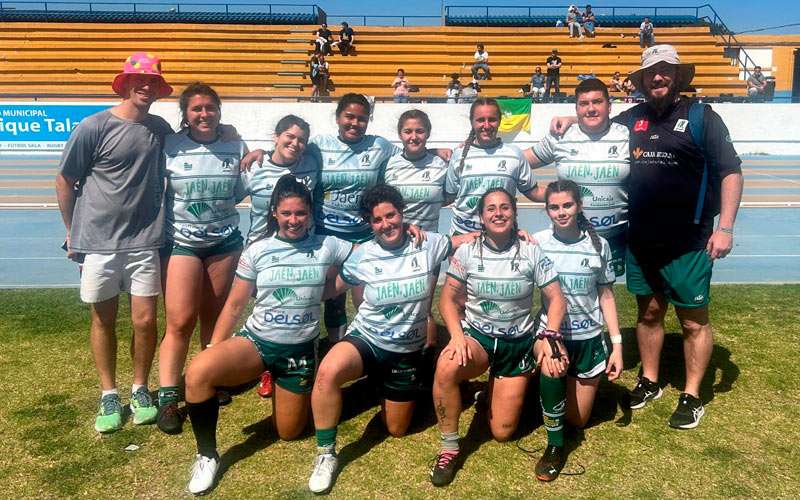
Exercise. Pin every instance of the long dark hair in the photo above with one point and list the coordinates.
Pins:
(191, 90)
(352, 98)
(287, 187)
(514, 229)
(480, 101)
(568, 186)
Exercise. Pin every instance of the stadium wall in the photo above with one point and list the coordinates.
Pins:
(755, 128)
(781, 56)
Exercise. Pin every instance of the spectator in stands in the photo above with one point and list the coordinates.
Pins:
(757, 83)
(481, 63)
(553, 73)
(347, 39)
(454, 88)
(320, 73)
(470, 92)
(322, 41)
(574, 22)
(537, 83)
(400, 86)
(115, 227)
(646, 36)
(589, 22)
(616, 85)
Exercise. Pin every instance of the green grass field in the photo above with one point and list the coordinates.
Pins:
(746, 445)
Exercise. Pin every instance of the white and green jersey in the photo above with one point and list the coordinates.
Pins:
(421, 182)
(484, 168)
(398, 288)
(600, 165)
(347, 171)
(290, 280)
(203, 187)
(580, 271)
(500, 285)
(261, 180)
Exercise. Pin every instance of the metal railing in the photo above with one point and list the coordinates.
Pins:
(228, 8)
(612, 12)
(719, 28)
(404, 20)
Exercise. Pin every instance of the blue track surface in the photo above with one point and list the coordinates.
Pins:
(767, 247)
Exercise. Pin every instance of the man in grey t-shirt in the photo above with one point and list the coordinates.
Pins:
(110, 192)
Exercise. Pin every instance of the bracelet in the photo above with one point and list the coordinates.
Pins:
(549, 334)
(616, 339)
(726, 230)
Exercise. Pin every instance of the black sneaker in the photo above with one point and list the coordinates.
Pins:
(549, 466)
(644, 392)
(688, 413)
(444, 468)
(170, 418)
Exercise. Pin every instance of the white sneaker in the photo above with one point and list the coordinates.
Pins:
(325, 465)
(204, 471)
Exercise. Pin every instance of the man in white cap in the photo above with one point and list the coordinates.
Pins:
(110, 192)
(684, 171)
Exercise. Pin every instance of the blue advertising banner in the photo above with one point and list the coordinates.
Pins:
(40, 127)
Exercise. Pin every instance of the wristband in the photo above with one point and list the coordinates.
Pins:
(726, 230)
(549, 334)
(616, 339)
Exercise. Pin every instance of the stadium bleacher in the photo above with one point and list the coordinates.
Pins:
(251, 61)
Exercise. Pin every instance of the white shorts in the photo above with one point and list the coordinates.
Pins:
(104, 276)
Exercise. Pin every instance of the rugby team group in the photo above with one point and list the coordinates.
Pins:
(652, 193)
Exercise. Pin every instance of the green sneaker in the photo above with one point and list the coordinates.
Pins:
(109, 418)
(142, 407)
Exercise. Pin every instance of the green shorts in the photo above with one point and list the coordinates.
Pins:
(292, 365)
(232, 243)
(587, 357)
(507, 357)
(618, 244)
(398, 373)
(685, 281)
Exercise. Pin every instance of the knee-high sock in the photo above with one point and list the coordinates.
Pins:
(204, 418)
(553, 396)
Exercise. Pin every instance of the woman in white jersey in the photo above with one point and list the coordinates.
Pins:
(482, 163)
(287, 268)
(419, 176)
(289, 157)
(583, 261)
(492, 281)
(386, 337)
(203, 239)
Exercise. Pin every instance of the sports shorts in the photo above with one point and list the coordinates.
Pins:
(104, 276)
(232, 243)
(508, 357)
(398, 373)
(618, 244)
(292, 365)
(684, 282)
(587, 357)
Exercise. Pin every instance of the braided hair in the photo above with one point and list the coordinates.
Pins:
(481, 101)
(514, 230)
(568, 186)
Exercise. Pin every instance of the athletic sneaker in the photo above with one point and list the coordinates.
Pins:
(204, 471)
(644, 392)
(325, 468)
(549, 466)
(142, 407)
(170, 418)
(265, 386)
(443, 470)
(109, 417)
(688, 413)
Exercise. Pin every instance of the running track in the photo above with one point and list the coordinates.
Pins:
(767, 242)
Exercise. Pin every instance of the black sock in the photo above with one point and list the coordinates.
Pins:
(204, 418)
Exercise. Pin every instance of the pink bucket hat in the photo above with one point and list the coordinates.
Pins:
(141, 63)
